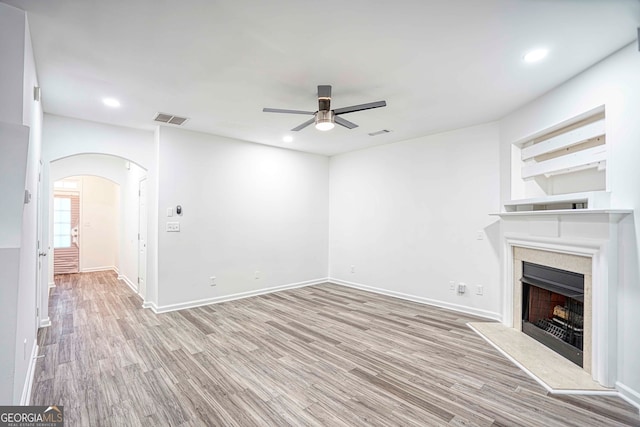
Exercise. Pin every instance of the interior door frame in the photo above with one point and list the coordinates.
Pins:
(143, 229)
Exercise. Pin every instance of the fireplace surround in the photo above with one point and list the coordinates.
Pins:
(585, 243)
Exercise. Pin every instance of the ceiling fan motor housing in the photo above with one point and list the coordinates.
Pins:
(324, 104)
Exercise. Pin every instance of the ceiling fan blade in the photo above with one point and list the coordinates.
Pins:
(324, 91)
(303, 125)
(345, 123)
(360, 107)
(278, 110)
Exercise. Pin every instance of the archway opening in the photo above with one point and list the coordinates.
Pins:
(107, 228)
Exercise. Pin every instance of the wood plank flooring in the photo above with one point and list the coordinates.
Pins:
(318, 356)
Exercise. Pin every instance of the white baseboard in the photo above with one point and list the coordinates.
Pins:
(215, 300)
(45, 323)
(422, 300)
(95, 269)
(129, 283)
(630, 395)
(25, 399)
(52, 285)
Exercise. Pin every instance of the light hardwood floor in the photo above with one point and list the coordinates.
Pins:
(321, 355)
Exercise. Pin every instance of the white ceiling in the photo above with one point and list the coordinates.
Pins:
(439, 64)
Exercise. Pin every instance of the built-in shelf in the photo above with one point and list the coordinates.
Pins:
(588, 203)
(574, 150)
(616, 213)
(568, 157)
(571, 202)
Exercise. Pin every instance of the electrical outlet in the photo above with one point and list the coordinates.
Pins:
(212, 281)
(173, 227)
(452, 285)
(353, 269)
(462, 288)
(479, 235)
(256, 275)
(479, 289)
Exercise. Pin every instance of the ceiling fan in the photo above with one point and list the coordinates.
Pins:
(326, 118)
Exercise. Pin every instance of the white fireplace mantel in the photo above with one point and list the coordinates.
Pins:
(583, 232)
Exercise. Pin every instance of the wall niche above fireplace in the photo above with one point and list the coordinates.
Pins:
(565, 159)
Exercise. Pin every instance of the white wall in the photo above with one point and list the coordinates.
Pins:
(12, 55)
(26, 321)
(9, 279)
(100, 225)
(406, 216)
(19, 284)
(14, 146)
(615, 84)
(247, 207)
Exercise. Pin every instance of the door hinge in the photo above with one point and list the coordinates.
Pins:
(138, 280)
(138, 236)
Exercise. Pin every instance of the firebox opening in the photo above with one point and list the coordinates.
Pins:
(553, 309)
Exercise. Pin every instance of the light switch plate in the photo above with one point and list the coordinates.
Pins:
(169, 211)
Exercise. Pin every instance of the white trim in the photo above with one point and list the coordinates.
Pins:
(95, 269)
(538, 380)
(630, 395)
(197, 303)
(129, 283)
(422, 300)
(45, 323)
(25, 399)
(52, 285)
(149, 304)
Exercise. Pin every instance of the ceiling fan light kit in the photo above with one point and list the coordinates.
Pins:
(325, 118)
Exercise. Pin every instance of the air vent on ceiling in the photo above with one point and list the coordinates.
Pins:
(168, 118)
(380, 132)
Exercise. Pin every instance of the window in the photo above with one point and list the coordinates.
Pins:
(61, 222)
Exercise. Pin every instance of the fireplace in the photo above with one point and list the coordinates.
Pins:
(584, 242)
(553, 309)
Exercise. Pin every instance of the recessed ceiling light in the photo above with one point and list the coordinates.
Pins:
(535, 55)
(111, 102)
(288, 138)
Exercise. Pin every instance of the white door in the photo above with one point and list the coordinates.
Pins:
(66, 238)
(142, 238)
(41, 249)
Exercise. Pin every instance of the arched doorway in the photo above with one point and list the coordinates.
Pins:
(125, 176)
